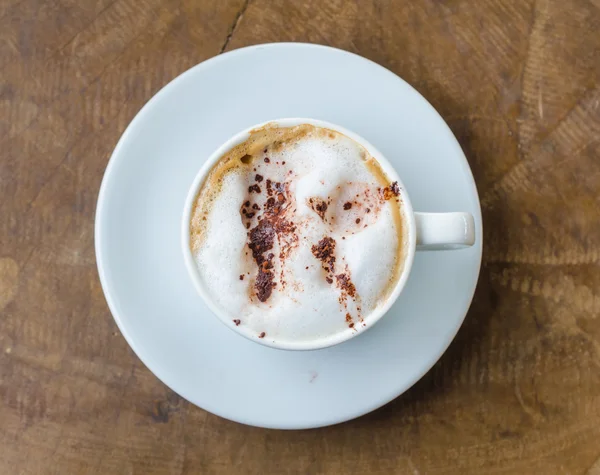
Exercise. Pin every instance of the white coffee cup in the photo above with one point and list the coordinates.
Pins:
(425, 231)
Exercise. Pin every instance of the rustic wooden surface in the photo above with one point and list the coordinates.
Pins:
(519, 389)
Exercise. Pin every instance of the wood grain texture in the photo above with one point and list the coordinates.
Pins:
(518, 392)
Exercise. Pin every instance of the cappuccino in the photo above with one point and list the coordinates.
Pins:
(297, 234)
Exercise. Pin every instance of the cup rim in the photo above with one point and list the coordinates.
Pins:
(346, 334)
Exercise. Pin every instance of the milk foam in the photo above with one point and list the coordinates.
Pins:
(313, 297)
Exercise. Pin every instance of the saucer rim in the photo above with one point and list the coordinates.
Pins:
(148, 360)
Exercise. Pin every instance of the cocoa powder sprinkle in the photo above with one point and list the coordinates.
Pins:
(392, 190)
(346, 284)
(319, 206)
(271, 225)
(324, 251)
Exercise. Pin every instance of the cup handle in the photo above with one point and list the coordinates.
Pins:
(444, 231)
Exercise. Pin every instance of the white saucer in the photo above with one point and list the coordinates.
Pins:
(142, 269)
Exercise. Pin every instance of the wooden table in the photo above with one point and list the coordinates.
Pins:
(518, 81)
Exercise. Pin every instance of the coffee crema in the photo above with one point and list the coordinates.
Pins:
(297, 234)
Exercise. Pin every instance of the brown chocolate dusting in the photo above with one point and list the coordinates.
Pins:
(254, 188)
(347, 205)
(319, 206)
(247, 203)
(262, 335)
(267, 159)
(261, 239)
(392, 190)
(255, 206)
(322, 207)
(344, 283)
(357, 220)
(324, 251)
(237, 322)
(264, 283)
(348, 318)
(241, 276)
(351, 325)
(368, 210)
(258, 178)
(329, 280)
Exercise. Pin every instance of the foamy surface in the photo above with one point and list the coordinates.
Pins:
(328, 199)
